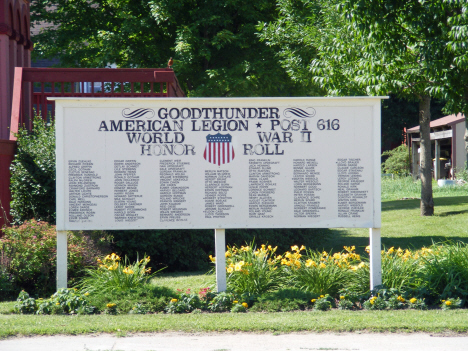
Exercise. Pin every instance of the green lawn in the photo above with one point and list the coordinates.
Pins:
(183, 281)
(339, 321)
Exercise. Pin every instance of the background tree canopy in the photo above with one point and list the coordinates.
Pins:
(214, 44)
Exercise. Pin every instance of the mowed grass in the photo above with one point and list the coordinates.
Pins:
(399, 188)
(339, 321)
(185, 280)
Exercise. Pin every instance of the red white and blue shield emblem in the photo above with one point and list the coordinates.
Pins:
(219, 149)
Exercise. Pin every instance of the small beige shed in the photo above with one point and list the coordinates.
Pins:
(448, 146)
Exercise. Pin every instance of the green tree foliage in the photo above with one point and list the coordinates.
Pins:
(404, 50)
(32, 182)
(214, 43)
(411, 49)
(397, 162)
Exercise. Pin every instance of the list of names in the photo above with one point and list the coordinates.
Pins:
(218, 203)
(126, 197)
(306, 188)
(173, 190)
(262, 188)
(81, 184)
(351, 199)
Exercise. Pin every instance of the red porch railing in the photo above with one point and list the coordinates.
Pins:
(32, 87)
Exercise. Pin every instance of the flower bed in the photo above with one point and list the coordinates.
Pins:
(260, 279)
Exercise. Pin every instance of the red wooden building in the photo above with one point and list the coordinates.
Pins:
(24, 89)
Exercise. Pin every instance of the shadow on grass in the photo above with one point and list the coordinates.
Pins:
(181, 274)
(337, 241)
(415, 204)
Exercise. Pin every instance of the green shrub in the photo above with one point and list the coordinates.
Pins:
(284, 300)
(445, 271)
(451, 304)
(417, 304)
(462, 172)
(323, 303)
(185, 302)
(253, 270)
(321, 272)
(151, 298)
(29, 256)
(346, 305)
(222, 302)
(114, 275)
(375, 303)
(71, 301)
(398, 161)
(401, 270)
(32, 181)
(283, 305)
(8, 289)
(239, 308)
(25, 304)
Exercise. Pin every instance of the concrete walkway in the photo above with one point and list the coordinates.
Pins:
(240, 342)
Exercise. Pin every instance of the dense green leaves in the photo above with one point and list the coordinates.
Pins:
(214, 44)
(32, 181)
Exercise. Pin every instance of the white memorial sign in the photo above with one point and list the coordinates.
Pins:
(218, 163)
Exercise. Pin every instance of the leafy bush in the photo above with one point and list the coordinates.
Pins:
(114, 275)
(398, 161)
(323, 303)
(284, 300)
(462, 173)
(321, 272)
(8, 289)
(451, 304)
(417, 304)
(63, 301)
(149, 297)
(445, 271)
(375, 303)
(239, 307)
(185, 302)
(350, 300)
(28, 255)
(32, 181)
(253, 270)
(222, 302)
(25, 304)
(346, 305)
(400, 270)
(393, 299)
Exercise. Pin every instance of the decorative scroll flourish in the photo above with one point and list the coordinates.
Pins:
(138, 113)
(298, 112)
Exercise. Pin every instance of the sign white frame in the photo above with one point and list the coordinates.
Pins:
(63, 103)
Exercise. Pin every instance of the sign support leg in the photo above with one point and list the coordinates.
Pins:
(220, 248)
(375, 258)
(61, 259)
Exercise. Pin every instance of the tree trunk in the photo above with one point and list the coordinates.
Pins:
(427, 202)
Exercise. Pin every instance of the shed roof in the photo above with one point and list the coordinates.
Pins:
(444, 121)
